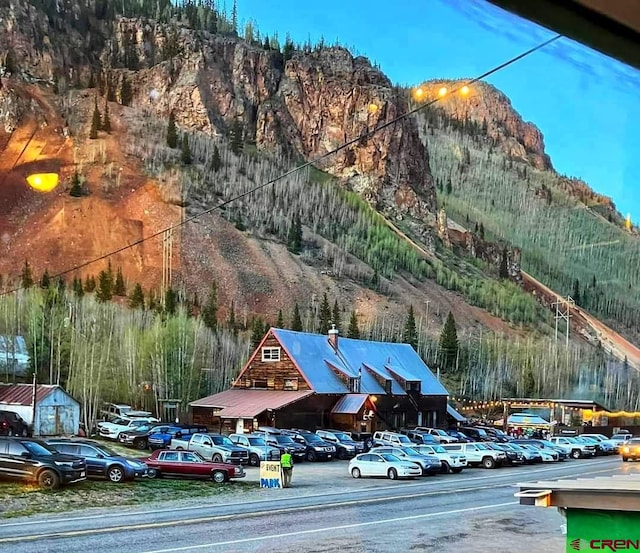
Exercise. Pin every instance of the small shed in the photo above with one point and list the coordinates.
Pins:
(56, 411)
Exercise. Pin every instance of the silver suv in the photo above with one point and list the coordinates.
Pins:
(258, 448)
(478, 454)
(391, 438)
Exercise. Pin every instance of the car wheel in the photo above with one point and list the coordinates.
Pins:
(392, 474)
(311, 455)
(254, 460)
(115, 474)
(24, 433)
(446, 469)
(457, 470)
(355, 472)
(217, 458)
(142, 444)
(153, 473)
(120, 436)
(179, 448)
(48, 479)
(625, 459)
(488, 462)
(576, 453)
(368, 443)
(342, 454)
(219, 476)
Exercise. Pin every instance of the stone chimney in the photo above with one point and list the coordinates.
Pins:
(333, 336)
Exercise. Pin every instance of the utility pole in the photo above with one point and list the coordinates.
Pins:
(563, 312)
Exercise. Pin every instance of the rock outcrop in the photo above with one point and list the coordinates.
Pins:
(493, 115)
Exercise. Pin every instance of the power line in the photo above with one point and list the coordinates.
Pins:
(346, 144)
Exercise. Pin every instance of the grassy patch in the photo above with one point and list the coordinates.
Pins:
(25, 499)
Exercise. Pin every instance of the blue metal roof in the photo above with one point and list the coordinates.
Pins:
(313, 352)
(350, 404)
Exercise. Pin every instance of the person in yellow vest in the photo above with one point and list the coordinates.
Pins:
(286, 462)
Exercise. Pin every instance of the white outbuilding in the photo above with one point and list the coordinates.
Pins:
(56, 412)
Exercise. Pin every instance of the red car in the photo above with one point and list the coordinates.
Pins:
(188, 464)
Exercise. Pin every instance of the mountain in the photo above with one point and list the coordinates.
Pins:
(387, 222)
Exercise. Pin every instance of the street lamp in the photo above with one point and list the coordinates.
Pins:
(442, 92)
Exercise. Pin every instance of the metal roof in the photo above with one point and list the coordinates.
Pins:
(312, 352)
(454, 414)
(350, 404)
(22, 394)
(239, 403)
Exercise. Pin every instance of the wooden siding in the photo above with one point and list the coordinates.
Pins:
(274, 373)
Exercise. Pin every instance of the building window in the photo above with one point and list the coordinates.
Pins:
(271, 354)
(259, 384)
(290, 384)
(413, 386)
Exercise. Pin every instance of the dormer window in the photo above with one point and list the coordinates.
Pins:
(270, 354)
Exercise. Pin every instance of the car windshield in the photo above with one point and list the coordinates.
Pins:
(482, 447)
(389, 457)
(410, 451)
(343, 437)
(221, 440)
(257, 441)
(441, 433)
(118, 420)
(285, 440)
(139, 424)
(312, 438)
(36, 448)
(404, 440)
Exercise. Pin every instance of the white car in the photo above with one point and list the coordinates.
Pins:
(451, 462)
(578, 449)
(112, 430)
(548, 456)
(383, 464)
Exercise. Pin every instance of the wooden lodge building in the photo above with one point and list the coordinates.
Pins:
(303, 380)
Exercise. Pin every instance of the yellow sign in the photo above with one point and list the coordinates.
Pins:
(271, 474)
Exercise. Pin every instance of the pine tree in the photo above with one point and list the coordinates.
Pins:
(237, 137)
(170, 301)
(119, 289)
(234, 17)
(257, 332)
(354, 331)
(106, 120)
(126, 93)
(185, 151)
(576, 292)
(152, 304)
(294, 237)
(481, 231)
(76, 186)
(136, 299)
(231, 319)
(288, 49)
(325, 316)
(296, 321)
(280, 321)
(104, 291)
(410, 334)
(96, 121)
(45, 281)
(216, 161)
(172, 132)
(89, 284)
(77, 287)
(335, 315)
(504, 265)
(449, 188)
(449, 342)
(209, 312)
(26, 277)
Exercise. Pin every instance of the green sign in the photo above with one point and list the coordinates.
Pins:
(602, 531)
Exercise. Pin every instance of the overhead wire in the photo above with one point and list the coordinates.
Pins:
(361, 137)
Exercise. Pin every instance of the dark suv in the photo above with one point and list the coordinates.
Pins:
(284, 442)
(28, 459)
(12, 424)
(102, 462)
(317, 448)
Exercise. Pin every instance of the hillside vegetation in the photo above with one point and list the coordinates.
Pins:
(572, 246)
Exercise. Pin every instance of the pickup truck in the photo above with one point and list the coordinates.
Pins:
(216, 447)
(112, 430)
(478, 454)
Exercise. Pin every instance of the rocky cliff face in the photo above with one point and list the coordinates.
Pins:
(494, 116)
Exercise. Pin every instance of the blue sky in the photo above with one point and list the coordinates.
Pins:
(586, 104)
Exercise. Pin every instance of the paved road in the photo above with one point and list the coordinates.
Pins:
(475, 510)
